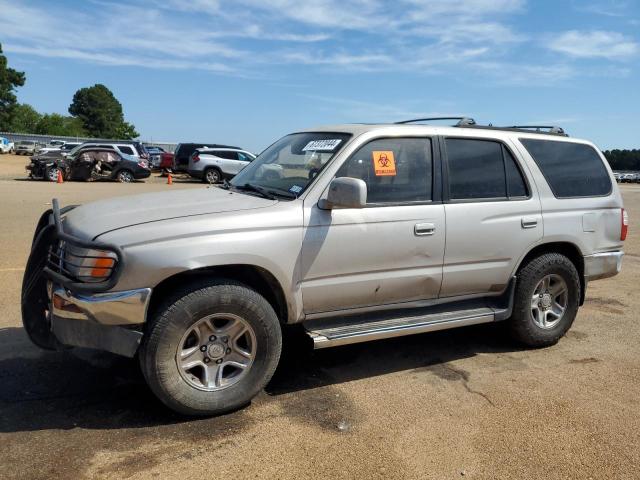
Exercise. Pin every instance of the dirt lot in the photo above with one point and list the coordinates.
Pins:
(464, 403)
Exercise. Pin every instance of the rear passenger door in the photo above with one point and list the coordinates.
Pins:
(493, 216)
(229, 162)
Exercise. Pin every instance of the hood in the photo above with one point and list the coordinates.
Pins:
(93, 219)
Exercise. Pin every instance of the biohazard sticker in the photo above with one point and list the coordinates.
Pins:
(384, 164)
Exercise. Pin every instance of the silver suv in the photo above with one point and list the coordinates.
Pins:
(357, 232)
(212, 165)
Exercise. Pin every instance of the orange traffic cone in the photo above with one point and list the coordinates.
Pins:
(169, 180)
(60, 180)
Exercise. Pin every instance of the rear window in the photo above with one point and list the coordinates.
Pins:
(571, 169)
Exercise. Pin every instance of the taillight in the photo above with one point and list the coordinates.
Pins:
(196, 158)
(624, 220)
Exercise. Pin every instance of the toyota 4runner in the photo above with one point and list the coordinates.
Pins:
(358, 232)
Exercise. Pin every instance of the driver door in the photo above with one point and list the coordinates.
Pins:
(389, 252)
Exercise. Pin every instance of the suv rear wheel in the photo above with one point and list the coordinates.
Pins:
(125, 176)
(212, 348)
(212, 175)
(546, 300)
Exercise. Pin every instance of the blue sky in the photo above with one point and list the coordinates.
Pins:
(249, 71)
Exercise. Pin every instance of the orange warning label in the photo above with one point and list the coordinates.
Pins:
(384, 164)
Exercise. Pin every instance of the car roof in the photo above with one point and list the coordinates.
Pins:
(98, 149)
(225, 149)
(476, 131)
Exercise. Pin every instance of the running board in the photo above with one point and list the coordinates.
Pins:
(343, 331)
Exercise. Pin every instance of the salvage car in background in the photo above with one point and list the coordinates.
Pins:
(155, 156)
(27, 147)
(211, 165)
(5, 145)
(131, 148)
(184, 151)
(91, 163)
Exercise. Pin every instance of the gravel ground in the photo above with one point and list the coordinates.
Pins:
(463, 403)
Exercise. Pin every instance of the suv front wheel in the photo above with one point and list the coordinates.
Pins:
(546, 300)
(212, 348)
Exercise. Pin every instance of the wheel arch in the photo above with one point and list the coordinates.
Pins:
(568, 249)
(255, 277)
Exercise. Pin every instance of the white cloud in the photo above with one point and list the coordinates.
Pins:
(594, 44)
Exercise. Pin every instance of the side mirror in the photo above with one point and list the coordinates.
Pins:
(345, 192)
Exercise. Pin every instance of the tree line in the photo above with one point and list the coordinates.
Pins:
(94, 111)
(623, 159)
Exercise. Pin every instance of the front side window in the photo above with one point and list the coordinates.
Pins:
(289, 166)
(244, 157)
(396, 170)
(571, 169)
(482, 169)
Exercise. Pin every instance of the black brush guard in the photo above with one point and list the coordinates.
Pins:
(41, 267)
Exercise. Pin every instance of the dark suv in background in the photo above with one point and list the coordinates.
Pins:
(185, 150)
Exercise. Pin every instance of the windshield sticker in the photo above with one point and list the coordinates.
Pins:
(384, 164)
(328, 145)
(295, 189)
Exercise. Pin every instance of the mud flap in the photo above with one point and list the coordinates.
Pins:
(34, 300)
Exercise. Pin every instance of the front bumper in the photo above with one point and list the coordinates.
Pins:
(60, 309)
(105, 321)
(602, 265)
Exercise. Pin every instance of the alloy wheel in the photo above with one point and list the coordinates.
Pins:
(216, 352)
(549, 301)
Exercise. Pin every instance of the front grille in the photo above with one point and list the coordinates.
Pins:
(78, 265)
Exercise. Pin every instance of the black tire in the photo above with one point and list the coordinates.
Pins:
(51, 174)
(522, 324)
(212, 175)
(171, 321)
(125, 176)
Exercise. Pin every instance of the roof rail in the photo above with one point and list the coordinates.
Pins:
(539, 128)
(462, 121)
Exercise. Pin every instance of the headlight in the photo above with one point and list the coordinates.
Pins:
(89, 264)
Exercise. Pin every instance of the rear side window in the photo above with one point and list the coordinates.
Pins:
(226, 154)
(482, 169)
(126, 150)
(396, 170)
(571, 169)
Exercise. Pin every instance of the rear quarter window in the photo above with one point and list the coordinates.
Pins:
(571, 169)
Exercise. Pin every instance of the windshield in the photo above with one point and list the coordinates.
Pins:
(290, 164)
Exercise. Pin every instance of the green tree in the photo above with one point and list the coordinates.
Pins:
(126, 131)
(56, 124)
(100, 113)
(10, 79)
(24, 119)
(623, 159)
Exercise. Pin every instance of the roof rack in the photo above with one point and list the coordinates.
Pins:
(539, 128)
(462, 121)
(467, 122)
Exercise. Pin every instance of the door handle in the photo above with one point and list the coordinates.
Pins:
(423, 229)
(529, 222)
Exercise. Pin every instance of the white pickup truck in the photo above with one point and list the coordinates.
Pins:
(6, 146)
